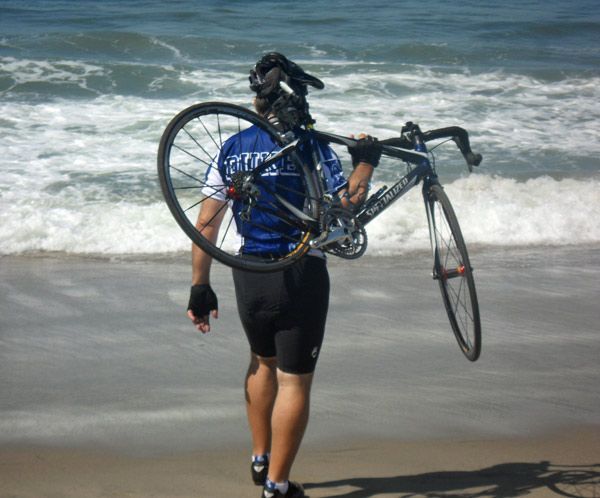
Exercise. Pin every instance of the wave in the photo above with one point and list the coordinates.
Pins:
(508, 111)
(78, 163)
(496, 211)
(492, 211)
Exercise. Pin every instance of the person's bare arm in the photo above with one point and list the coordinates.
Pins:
(209, 222)
(358, 185)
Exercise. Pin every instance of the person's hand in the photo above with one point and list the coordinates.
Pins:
(365, 157)
(202, 305)
(367, 150)
(358, 186)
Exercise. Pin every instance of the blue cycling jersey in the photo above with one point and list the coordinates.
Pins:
(263, 232)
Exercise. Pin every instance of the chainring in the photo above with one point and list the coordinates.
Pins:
(338, 217)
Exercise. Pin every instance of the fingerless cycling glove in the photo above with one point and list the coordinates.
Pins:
(202, 300)
(366, 150)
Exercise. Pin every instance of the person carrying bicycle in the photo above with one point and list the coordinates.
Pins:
(283, 313)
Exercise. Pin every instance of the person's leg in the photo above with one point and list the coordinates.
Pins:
(261, 390)
(288, 423)
(301, 328)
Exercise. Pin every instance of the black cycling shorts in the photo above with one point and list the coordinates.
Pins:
(284, 312)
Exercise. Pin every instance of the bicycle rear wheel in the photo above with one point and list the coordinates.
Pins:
(220, 152)
(454, 273)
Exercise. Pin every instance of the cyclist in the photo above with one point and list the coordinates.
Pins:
(283, 313)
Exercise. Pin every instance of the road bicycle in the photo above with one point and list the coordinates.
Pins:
(308, 216)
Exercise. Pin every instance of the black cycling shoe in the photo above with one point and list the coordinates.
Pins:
(259, 471)
(295, 490)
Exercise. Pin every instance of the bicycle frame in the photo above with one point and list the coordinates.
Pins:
(421, 170)
(385, 197)
(382, 199)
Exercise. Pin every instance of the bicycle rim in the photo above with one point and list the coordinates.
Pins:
(196, 144)
(454, 273)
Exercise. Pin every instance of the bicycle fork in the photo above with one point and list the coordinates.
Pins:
(440, 270)
(436, 273)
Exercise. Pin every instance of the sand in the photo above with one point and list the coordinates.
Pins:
(106, 390)
(555, 465)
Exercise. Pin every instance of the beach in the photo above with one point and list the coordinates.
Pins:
(555, 465)
(107, 390)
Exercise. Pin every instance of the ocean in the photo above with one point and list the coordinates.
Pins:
(95, 346)
(87, 87)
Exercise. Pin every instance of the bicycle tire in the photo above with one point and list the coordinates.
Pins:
(189, 148)
(576, 483)
(452, 269)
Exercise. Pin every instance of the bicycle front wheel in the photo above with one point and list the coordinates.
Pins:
(215, 156)
(454, 273)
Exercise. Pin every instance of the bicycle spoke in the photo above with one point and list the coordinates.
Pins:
(201, 182)
(451, 250)
(465, 317)
(226, 231)
(208, 133)
(214, 217)
(193, 156)
(271, 230)
(453, 271)
(198, 144)
(281, 215)
(201, 153)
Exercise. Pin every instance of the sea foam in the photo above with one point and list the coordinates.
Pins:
(492, 211)
(79, 174)
(496, 211)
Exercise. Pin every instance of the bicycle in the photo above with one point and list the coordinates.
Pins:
(310, 216)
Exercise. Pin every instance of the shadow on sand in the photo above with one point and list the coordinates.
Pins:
(499, 481)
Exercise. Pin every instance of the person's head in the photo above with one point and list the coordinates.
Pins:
(281, 87)
(261, 104)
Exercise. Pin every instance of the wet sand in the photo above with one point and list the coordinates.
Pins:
(555, 465)
(106, 390)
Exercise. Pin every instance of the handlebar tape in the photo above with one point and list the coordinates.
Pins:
(460, 137)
